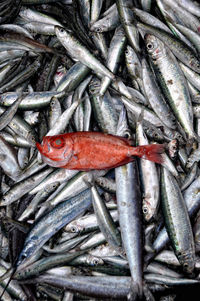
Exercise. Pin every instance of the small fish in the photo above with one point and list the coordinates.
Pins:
(94, 150)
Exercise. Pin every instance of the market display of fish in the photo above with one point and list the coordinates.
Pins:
(99, 149)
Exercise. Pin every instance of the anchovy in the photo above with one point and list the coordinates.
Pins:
(79, 52)
(170, 77)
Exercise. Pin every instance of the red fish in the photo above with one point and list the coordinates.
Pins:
(94, 150)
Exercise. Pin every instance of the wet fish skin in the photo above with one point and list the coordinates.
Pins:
(175, 210)
(149, 179)
(21, 188)
(109, 286)
(127, 20)
(129, 202)
(172, 82)
(77, 151)
(8, 159)
(43, 265)
(180, 49)
(109, 22)
(103, 109)
(105, 220)
(56, 219)
(7, 115)
(79, 52)
(156, 98)
(114, 56)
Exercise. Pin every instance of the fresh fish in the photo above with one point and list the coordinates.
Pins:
(78, 150)
(185, 54)
(105, 220)
(80, 53)
(181, 237)
(170, 77)
(155, 97)
(129, 206)
(127, 20)
(149, 177)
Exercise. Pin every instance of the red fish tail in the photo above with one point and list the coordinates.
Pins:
(152, 152)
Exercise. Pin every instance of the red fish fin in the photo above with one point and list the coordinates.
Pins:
(152, 152)
(39, 147)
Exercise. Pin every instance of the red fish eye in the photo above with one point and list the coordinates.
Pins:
(57, 143)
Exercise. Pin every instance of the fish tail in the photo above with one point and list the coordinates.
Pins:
(152, 152)
(136, 291)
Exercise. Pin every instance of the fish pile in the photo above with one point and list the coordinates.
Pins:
(79, 81)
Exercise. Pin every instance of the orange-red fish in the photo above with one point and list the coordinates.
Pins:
(94, 150)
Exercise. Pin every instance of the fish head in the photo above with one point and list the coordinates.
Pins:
(194, 64)
(56, 151)
(26, 254)
(61, 32)
(154, 46)
(74, 227)
(148, 211)
(94, 260)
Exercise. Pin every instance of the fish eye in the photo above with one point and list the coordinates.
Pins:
(185, 265)
(149, 46)
(95, 261)
(127, 135)
(53, 102)
(74, 229)
(57, 143)
(145, 210)
(62, 30)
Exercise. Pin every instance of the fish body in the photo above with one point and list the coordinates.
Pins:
(172, 82)
(177, 221)
(80, 53)
(93, 150)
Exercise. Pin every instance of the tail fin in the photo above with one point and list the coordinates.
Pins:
(136, 291)
(150, 152)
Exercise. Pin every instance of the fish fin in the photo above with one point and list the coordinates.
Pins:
(136, 291)
(140, 292)
(39, 147)
(151, 152)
